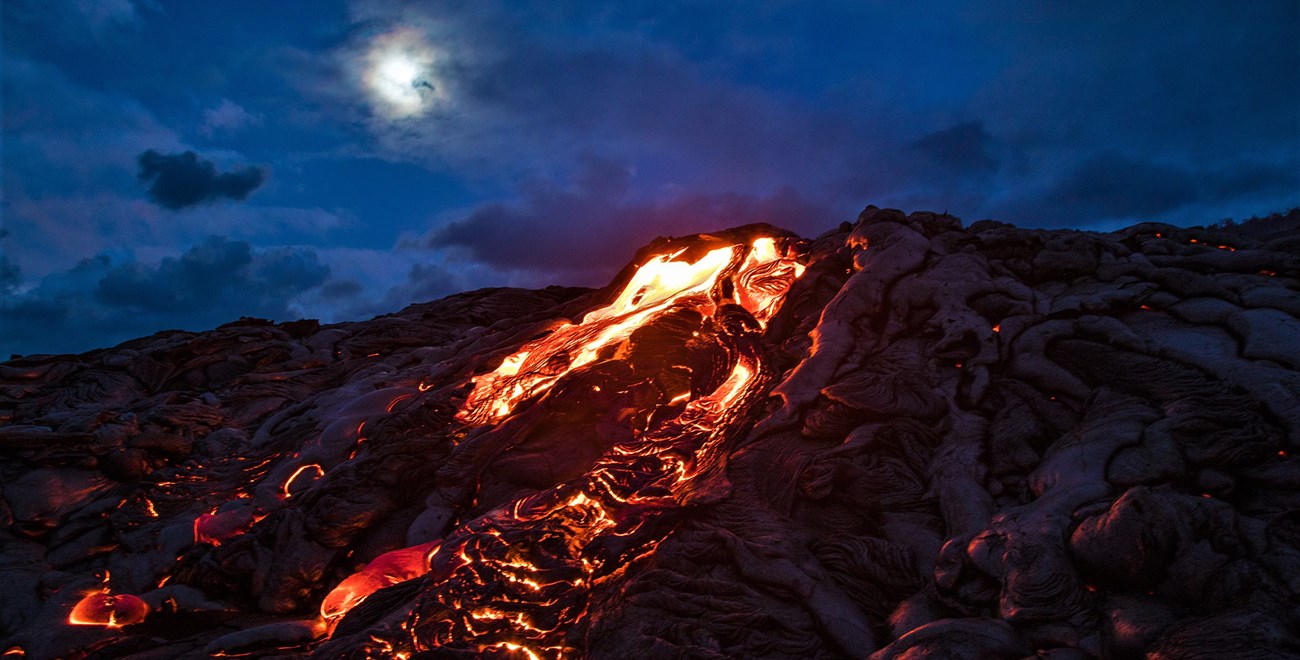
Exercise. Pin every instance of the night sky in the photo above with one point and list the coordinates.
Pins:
(182, 164)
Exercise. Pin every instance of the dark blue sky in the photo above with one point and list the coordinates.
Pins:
(180, 164)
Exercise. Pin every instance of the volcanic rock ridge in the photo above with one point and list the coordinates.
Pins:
(901, 439)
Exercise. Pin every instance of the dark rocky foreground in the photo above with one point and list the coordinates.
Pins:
(986, 442)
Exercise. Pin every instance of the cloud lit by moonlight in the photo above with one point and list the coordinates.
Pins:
(399, 74)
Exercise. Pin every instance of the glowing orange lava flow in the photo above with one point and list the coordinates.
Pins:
(519, 577)
(760, 277)
(102, 608)
(108, 611)
(513, 581)
(386, 570)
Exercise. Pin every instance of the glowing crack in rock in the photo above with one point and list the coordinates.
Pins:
(294, 484)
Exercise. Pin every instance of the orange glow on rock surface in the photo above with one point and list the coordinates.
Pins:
(226, 522)
(202, 525)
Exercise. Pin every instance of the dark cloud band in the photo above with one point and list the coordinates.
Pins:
(177, 181)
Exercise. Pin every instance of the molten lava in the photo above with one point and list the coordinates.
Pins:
(386, 570)
(102, 608)
(759, 278)
(295, 483)
(516, 578)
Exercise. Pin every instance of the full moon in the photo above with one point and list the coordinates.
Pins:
(399, 74)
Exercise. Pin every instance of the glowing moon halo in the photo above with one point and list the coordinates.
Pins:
(398, 73)
(395, 79)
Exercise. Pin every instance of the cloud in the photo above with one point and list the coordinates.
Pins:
(104, 15)
(10, 275)
(227, 117)
(1112, 184)
(341, 289)
(520, 99)
(76, 22)
(177, 181)
(365, 282)
(1232, 181)
(70, 185)
(424, 282)
(964, 147)
(102, 300)
(61, 135)
(214, 274)
(585, 231)
(1187, 83)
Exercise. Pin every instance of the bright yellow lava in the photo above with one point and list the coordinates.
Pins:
(762, 275)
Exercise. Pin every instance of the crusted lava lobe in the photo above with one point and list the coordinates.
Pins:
(901, 439)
